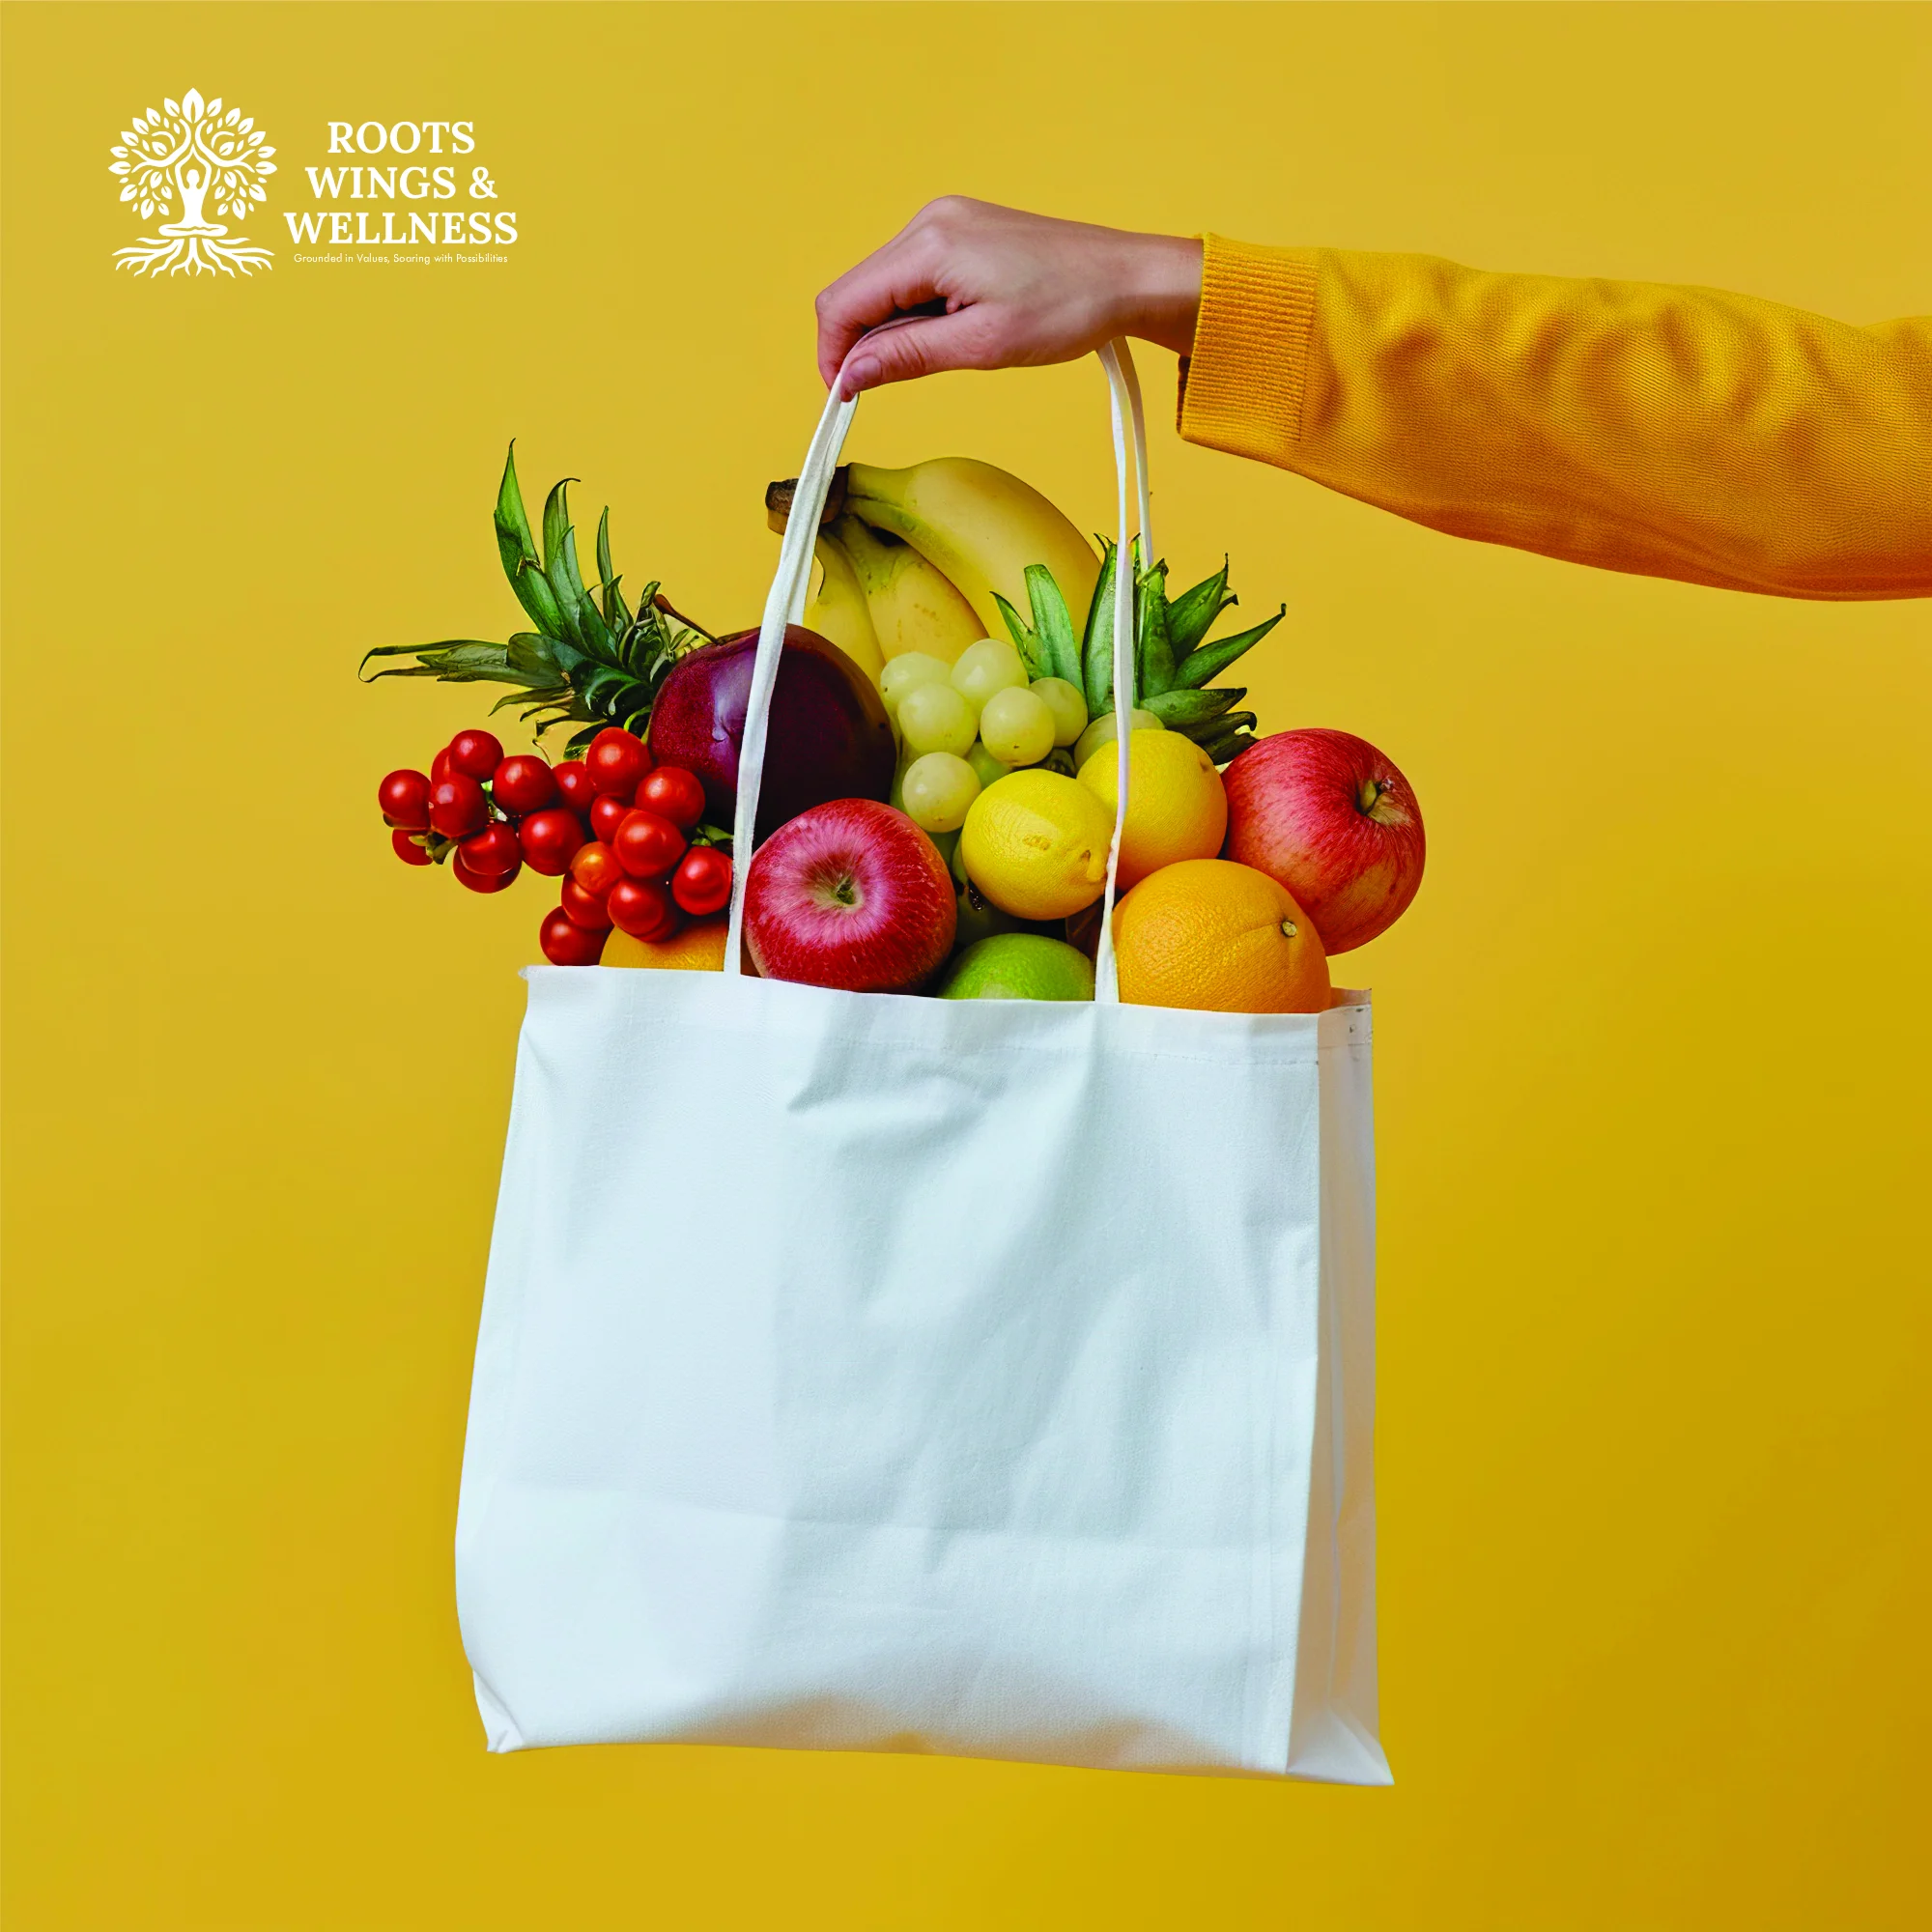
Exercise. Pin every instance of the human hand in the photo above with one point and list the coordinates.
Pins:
(994, 288)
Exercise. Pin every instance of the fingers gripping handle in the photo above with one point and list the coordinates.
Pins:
(783, 605)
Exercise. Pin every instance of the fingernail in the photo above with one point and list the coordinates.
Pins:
(857, 376)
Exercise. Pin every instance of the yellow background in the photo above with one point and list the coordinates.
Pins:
(1653, 1042)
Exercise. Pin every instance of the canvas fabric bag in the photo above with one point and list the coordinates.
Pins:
(867, 1371)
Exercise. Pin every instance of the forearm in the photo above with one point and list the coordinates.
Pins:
(1675, 432)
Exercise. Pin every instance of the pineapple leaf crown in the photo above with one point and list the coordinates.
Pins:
(1174, 662)
(591, 661)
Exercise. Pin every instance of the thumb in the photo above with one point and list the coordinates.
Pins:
(918, 345)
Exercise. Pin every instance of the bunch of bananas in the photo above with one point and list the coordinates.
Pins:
(936, 556)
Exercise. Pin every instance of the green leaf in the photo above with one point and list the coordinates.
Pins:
(459, 661)
(559, 559)
(535, 595)
(556, 531)
(600, 687)
(1234, 736)
(408, 670)
(597, 640)
(565, 579)
(1225, 750)
(1153, 667)
(514, 543)
(1024, 640)
(1058, 650)
(413, 650)
(650, 645)
(535, 656)
(1179, 709)
(1192, 614)
(606, 576)
(533, 701)
(568, 658)
(616, 612)
(1097, 647)
(640, 641)
(1209, 661)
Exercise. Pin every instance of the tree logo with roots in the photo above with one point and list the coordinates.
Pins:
(188, 150)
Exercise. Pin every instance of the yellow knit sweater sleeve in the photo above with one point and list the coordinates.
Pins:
(1677, 432)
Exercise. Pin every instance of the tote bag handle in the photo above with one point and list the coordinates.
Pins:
(785, 605)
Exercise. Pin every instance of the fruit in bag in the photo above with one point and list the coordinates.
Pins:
(828, 735)
(1020, 966)
(1177, 807)
(851, 894)
(1036, 845)
(699, 948)
(1330, 818)
(1218, 937)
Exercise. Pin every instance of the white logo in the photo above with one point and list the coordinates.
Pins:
(189, 147)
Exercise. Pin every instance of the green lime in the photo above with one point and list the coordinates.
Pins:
(1020, 966)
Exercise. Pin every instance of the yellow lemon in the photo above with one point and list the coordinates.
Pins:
(1176, 806)
(1036, 845)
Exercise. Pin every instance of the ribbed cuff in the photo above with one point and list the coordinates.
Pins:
(1242, 387)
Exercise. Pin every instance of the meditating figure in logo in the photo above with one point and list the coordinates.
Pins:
(192, 150)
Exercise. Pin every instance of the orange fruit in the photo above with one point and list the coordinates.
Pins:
(699, 947)
(1176, 805)
(1221, 938)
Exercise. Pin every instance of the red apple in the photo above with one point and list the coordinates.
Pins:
(1328, 816)
(852, 894)
(829, 736)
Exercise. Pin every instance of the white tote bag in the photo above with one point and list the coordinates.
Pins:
(875, 1373)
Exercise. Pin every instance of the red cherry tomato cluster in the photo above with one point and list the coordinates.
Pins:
(639, 872)
(488, 816)
(611, 826)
